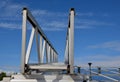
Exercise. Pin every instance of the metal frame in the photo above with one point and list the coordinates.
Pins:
(110, 78)
(69, 50)
(42, 46)
(107, 75)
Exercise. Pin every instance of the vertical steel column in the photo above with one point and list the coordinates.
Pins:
(52, 55)
(41, 46)
(71, 41)
(56, 57)
(23, 40)
(48, 53)
(47, 46)
(37, 45)
(43, 50)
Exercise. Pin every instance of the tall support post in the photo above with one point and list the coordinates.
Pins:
(23, 54)
(71, 41)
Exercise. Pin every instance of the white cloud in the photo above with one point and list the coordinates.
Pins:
(85, 14)
(92, 14)
(9, 69)
(53, 29)
(113, 45)
(99, 60)
(10, 25)
(88, 23)
(49, 20)
(56, 24)
(40, 12)
(10, 9)
(47, 13)
(10, 16)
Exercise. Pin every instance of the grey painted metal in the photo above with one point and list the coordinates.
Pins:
(56, 57)
(30, 45)
(49, 66)
(46, 53)
(52, 55)
(23, 41)
(66, 53)
(37, 44)
(41, 41)
(67, 46)
(71, 41)
(43, 51)
(69, 49)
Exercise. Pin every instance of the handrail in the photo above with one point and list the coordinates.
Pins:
(36, 25)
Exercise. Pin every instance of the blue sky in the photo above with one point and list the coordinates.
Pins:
(97, 30)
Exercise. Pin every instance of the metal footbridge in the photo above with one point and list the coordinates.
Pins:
(44, 46)
(48, 69)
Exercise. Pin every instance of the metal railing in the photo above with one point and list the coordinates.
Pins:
(109, 75)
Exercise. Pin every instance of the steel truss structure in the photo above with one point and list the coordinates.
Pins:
(45, 49)
(44, 45)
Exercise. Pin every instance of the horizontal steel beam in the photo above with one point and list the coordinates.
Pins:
(50, 66)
